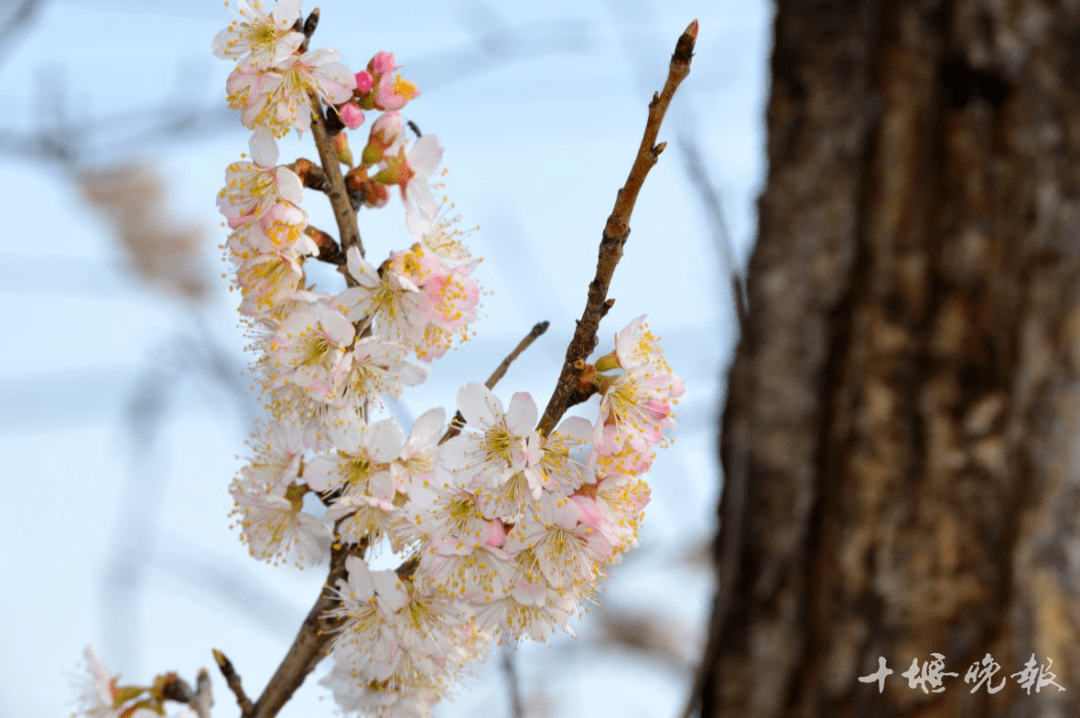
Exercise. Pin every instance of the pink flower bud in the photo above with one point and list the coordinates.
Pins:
(382, 63)
(351, 115)
(364, 81)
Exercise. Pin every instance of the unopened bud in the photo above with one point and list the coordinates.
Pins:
(351, 115)
(341, 146)
(385, 134)
(364, 82)
(382, 64)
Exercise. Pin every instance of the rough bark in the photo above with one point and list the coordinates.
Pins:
(902, 414)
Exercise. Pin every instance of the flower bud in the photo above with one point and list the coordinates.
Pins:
(364, 82)
(382, 64)
(351, 115)
(385, 134)
(341, 146)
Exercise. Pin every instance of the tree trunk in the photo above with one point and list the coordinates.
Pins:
(901, 421)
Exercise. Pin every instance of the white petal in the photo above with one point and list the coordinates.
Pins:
(522, 416)
(360, 580)
(286, 13)
(425, 156)
(384, 440)
(321, 473)
(392, 595)
(381, 486)
(478, 405)
(575, 428)
(336, 326)
(360, 269)
(289, 185)
(428, 426)
(263, 146)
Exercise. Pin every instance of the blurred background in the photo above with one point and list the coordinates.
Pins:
(123, 396)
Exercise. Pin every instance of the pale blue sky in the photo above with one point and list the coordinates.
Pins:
(540, 108)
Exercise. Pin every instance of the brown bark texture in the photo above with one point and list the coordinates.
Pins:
(903, 416)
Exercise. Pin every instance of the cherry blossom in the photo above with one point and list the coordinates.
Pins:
(252, 189)
(275, 526)
(257, 39)
(495, 444)
(310, 351)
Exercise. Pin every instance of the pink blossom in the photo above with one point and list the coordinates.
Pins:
(393, 92)
(453, 297)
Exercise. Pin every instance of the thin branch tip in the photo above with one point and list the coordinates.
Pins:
(684, 48)
(232, 680)
(616, 231)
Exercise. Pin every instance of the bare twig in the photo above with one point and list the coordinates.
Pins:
(616, 231)
(312, 640)
(336, 192)
(232, 679)
(459, 421)
(500, 371)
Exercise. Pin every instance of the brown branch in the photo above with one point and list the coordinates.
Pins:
(232, 679)
(336, 192)
(500, 371)
(312, 177)
(329, 250)
(310, 174)
(615, 234)
(312, 641)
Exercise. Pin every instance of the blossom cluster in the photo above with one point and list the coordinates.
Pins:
(504, 530)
